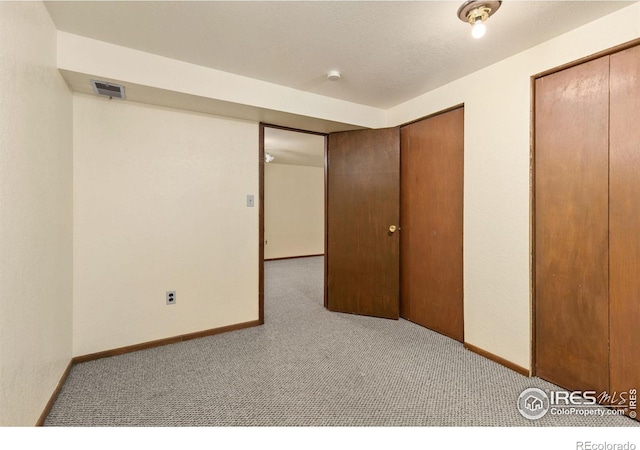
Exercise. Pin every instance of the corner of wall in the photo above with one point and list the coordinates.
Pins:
(36, 223)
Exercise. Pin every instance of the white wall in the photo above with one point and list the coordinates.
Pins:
(293, 210)
(160, 204)
(496, 178)
(35, 214)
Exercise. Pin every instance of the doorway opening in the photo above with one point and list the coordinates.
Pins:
(361, 175)
(292, 197)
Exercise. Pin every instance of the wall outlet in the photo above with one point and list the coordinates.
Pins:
(171, 297)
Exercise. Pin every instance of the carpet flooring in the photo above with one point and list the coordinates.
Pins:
(305, 367)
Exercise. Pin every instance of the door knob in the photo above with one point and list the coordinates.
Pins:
(392, 229)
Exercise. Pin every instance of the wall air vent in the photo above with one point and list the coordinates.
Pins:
(108, 89)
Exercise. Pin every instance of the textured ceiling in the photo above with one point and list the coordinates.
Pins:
(388, 52)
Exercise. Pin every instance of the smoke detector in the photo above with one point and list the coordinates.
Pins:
(333, 75)
(107, 89)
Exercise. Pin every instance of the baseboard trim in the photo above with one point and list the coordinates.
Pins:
(293, 257)
(161, 342)
(54, 395)
(495, 358)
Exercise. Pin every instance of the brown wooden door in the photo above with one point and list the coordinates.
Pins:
(571, 226)
(624, 195)
(363, 197)
(432, 154)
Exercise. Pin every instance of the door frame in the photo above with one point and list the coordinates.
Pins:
(532, 181)
(261, 162)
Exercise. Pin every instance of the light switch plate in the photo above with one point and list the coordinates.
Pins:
(250, 201)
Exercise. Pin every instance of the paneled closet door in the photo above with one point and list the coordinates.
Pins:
(625, 220)
(571, 222)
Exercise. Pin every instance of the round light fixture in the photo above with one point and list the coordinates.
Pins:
(476, 12)
(333, 75)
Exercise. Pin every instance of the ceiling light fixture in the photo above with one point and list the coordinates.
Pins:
(268, 157)
(476, 12)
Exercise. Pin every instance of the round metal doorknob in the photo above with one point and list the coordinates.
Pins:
(392, 229)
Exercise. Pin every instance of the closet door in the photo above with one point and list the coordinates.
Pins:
(625, 220)
(571, 223)
(432, 154)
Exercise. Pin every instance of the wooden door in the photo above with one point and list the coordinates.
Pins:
(432, 153)
(624, 195)
(571, 226)
(363, 197)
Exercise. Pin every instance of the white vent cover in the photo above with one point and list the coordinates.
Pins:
(108, 89)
